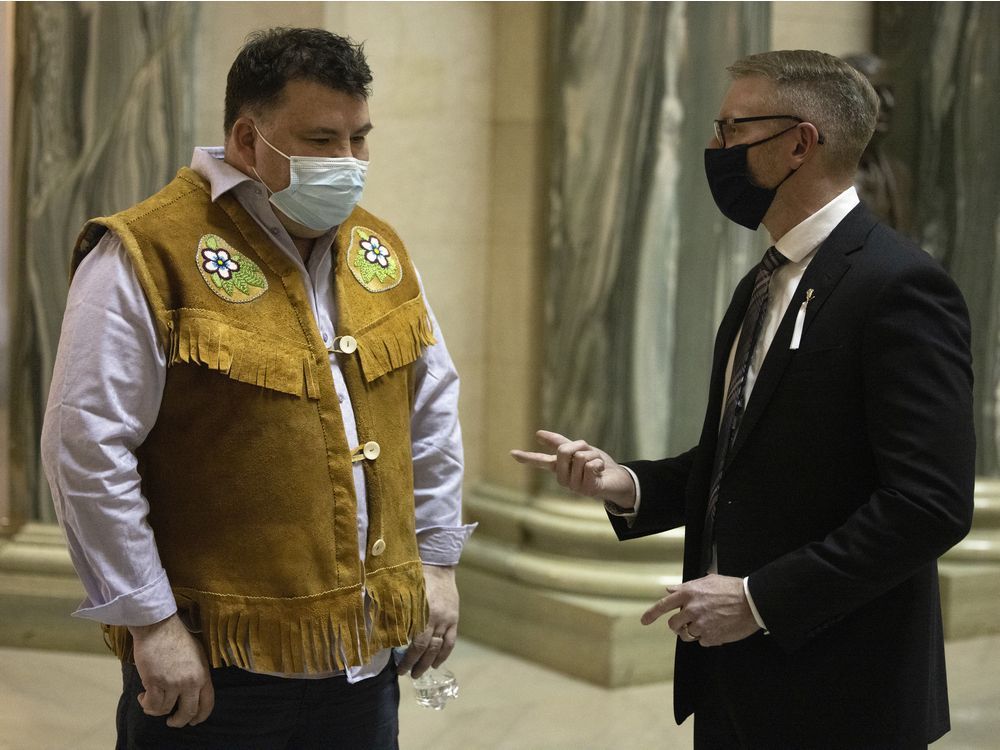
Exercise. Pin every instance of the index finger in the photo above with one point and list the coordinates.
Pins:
(666, 604)
(538, 460)
(551, 439)
(410, 656)
(187, 709)
(206, 702)
(155, 701)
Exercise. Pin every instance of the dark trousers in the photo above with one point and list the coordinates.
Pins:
(259, 712)
(714, 726)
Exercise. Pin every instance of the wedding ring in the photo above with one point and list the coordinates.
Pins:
(691, 635)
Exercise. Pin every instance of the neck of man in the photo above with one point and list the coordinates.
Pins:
(304, 245)
(797, 203)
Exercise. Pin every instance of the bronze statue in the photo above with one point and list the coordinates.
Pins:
(882, 181)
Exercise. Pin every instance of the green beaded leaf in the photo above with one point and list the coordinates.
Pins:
(371, 271)
(248, 275)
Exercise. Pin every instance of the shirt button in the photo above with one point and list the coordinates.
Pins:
(378, 548)
(340, 397)
(372, 450)
(275, 231)
(326, 337)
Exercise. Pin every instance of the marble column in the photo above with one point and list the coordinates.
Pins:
(636, 268)
(6, 116)
(641, 264)
(103, 116)
(944, 64)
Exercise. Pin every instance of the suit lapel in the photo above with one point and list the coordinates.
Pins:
(822, 276)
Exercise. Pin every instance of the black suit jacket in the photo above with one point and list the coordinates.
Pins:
(852, 472)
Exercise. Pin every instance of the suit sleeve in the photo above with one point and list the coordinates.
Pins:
(662, 485)
(918, 410)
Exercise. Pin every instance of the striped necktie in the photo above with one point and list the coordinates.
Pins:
(732, 415)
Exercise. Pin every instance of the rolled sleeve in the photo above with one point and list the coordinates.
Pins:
(144, 606)
(443, 545)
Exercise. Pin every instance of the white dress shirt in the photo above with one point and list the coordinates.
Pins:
(105, 397)
(799, 245)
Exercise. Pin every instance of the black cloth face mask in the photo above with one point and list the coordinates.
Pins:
(735, 193)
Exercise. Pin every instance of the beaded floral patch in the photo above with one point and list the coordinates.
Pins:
(232, 276)
(372, 261)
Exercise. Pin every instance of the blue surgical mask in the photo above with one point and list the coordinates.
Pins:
(323, 191)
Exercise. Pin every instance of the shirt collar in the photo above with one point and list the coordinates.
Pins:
(209, 162)
(806, 236)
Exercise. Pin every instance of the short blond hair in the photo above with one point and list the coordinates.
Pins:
(821, 89)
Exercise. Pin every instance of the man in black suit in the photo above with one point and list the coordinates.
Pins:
(836, 461)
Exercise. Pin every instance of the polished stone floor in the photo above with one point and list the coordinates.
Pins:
(59, 701)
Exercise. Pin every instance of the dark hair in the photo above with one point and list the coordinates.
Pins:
(271, 58)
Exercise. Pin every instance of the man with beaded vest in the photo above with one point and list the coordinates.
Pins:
(252, 435)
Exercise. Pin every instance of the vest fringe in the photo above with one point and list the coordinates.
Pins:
(399, 607)
(246, 356)
(316, 634)
(396, 340)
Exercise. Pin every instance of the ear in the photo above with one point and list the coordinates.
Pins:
(808, 138)
(243, 140)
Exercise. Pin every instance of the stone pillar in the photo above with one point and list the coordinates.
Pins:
(944, 65)
(598, 325)
(102, 119)
(6, 143)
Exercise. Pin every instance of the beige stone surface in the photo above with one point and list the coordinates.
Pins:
(59, 701)
(838, 28)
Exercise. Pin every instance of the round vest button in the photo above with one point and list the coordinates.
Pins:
(378, 548)
(345, 344)
(372, 450)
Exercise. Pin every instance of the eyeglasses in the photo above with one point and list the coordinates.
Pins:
(721, 125)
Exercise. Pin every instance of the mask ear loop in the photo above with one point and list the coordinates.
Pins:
(273, 148)
(820, 140)
(771, 138)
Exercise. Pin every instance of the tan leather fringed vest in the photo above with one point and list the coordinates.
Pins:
(248, 471)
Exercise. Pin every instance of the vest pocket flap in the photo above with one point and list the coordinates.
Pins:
(199, 337)
(394, 340)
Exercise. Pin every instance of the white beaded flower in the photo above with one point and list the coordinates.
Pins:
(375, 251)
(218, 261)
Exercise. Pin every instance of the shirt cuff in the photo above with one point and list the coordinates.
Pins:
(753, 607)
(150, 604)
(442, 545)
(628, 514)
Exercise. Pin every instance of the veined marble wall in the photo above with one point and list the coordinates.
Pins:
(640, 265)
(102, 119)
(944, 63)
(6, 116)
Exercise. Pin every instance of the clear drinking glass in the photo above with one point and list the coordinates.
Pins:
(435, 687)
